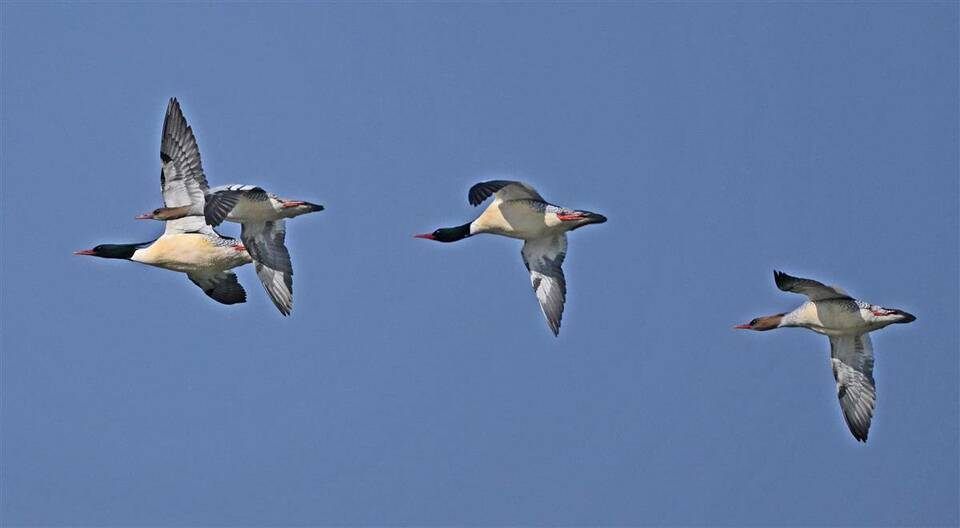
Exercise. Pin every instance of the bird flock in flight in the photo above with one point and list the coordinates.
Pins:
(190, 244)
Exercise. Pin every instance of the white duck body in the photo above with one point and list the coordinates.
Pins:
(522, 219)
(193, 253)
(840, 317)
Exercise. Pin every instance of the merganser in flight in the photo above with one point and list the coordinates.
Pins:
(518, 211)
(848, 323)
(187, 244)
(263, 230)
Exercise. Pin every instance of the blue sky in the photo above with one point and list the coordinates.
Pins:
(417, 383)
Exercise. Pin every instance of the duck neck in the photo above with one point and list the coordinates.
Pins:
(452, 234)
(119, 251)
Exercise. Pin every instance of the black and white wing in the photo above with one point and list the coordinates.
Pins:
(265, 243)
(814, 290)
(221, 200)
(852, 360)
(182, 181)
(504, 190)
(222, 286)
(543, 258)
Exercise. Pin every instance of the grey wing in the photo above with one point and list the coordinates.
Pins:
(279, 286)
(222, 200)
(265, 243)
(222, 287)
(504, 189)
(182, 181)
(852, 361)
(544, 258)
(814, 290)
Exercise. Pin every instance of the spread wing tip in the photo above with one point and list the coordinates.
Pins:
(782, 280)
(483, 190)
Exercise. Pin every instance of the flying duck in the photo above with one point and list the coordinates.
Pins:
(518, 211)
(261, 215)
(188, 244)
(848, 323)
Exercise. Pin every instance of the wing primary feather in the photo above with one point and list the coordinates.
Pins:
(851, 358)
(266, 244)
(483, 190)
(814, 290)
(222, 287)
(543, 258)
(279, 287)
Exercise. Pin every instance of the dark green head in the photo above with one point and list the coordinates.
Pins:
(115, 251)
(448, 234)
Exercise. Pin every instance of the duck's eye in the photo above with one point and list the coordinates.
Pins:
(754, 322)
(156, 211)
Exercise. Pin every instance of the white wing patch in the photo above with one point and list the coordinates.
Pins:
(188, 224)
(544, 258)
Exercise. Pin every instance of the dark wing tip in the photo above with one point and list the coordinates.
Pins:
(782, 279)
(859, 433)
(173, 107)
(481, 191)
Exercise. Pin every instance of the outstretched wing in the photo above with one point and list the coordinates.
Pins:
(816, 291)
(852, 361)
(182, 181)
(279, 286)
(504, 189)
(222, 287)
(222, 200)
(265, 243)
(543, 258)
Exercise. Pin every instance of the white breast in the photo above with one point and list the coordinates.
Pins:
(190, 252)
(515, 219)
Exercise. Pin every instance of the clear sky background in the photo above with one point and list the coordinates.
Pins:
(417, 383)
